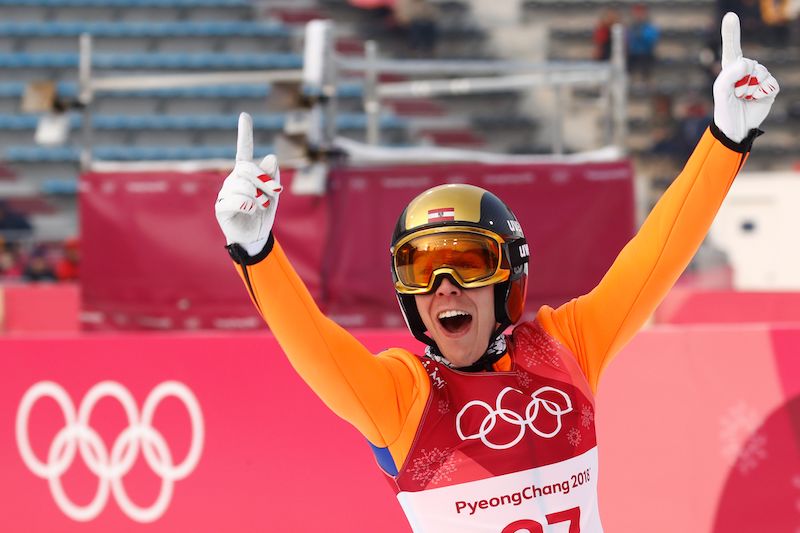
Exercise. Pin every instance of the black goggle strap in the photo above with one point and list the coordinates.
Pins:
(517, 254)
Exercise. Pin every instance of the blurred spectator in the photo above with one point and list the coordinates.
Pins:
(696, 117)
(10, 263)
(67, 265)
(677, 136)
(602, 34)
(642, 40)
(38, 267)
(380, 12)
(752, 25)
(664, 127)
(372, 4)
(776, 16)
(749, 12)
(13, 225)
(419, 18)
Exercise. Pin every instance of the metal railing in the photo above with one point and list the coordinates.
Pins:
(496, 76)
(89, 85)
(323, 68)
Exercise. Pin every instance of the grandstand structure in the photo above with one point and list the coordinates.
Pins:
(39, 41)
(688, 29)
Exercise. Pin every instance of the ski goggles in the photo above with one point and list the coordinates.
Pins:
(471, 256)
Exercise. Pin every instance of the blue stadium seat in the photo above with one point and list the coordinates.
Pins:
(358, 121)
(71, 154)
(588, 4)
(350, 90)
(212, 92)
(263, 122)
(11, 89)
(226, 28)
(27, 153)
(155, 61)
(47, 60)
(68, 89)
(59, 186)
(126, 3)
(585, 34)
(23, 122)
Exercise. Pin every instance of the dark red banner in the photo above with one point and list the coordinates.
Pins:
(576, 217)
(153, 254)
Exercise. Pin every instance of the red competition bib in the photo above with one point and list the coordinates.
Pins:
(506, 452)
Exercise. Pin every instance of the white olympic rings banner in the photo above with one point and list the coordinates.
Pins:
(531, 413)
(110, 467)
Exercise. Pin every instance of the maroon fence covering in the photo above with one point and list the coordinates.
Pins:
(153, 255)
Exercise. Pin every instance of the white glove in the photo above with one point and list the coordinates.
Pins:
(247, 202)
(744, 90)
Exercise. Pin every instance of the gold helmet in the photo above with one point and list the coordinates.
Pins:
(468, 235)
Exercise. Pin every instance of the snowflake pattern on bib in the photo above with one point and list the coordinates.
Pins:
(443, 406)
(574, 436)
(523, 378)
(433, 466)
(537, 350)
(587, 416)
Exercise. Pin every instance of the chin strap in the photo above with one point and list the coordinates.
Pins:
(497, 349)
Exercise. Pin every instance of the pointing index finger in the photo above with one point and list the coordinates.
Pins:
(244, 140)
(731, 39)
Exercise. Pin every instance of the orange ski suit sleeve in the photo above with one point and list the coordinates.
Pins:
(595, 326)
(384, 396)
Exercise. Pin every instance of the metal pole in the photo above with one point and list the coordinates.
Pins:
(462, 67)
(606, 102)
(557, 120)
(85, 97)
(423, 88)
(619, 87)
(372, 105)
(330, 79)
(161, 81)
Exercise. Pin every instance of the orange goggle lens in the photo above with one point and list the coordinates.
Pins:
(473, 259)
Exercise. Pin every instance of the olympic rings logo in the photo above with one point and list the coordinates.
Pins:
(531, 413)
(110, 468)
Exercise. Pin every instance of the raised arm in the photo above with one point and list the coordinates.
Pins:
(597, 325)
(376, 394)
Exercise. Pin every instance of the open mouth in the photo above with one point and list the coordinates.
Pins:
(455, 321)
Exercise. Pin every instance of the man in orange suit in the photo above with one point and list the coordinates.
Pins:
(487, 431)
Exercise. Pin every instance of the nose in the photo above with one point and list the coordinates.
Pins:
(448, 288)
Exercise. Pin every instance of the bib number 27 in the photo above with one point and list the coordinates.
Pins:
(571, 516)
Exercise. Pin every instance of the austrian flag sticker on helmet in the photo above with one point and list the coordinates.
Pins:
(445, 214)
